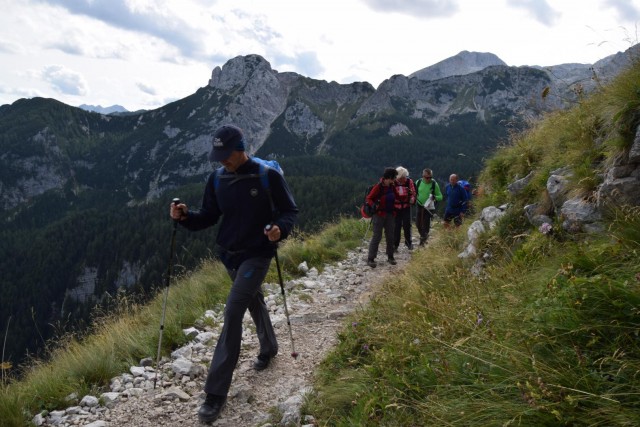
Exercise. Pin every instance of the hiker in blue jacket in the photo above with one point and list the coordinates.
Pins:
(246, 202)
(456, 202)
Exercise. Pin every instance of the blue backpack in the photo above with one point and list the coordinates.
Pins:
(265, 165)
(263, 174)
(467, 187)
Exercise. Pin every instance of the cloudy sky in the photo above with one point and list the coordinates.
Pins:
(142, 54)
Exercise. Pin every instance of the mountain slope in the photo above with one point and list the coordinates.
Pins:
(80, 181)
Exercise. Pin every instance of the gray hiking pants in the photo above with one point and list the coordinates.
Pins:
(423, 222)
(378, 224)
(403, 223)
(245, 293)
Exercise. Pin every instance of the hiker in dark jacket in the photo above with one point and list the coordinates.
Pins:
(406, 198)
(245, 249)
(383, 195)
(456, 202)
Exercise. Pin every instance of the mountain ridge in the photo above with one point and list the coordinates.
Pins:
(104, 177)
(104, 110)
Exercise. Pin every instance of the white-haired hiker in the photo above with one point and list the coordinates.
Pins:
(405, 199)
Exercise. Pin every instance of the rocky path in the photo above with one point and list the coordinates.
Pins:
(318, 304)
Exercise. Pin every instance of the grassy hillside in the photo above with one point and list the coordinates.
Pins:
(546, 334)
(121, 338)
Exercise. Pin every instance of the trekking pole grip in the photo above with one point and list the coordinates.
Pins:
(267, 228)
(176, 202)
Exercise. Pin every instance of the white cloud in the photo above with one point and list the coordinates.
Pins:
(171, 46)
(539, 9)
(68, 43)
(10, 47)
(19, 92)
(65, 81)
(305, 63)
(626, 11)
(152, 18)
(147, 89)
(422, 8)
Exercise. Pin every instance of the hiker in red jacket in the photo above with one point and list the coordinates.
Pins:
(383, 197)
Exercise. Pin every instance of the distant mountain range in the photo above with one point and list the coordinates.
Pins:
(103, 110)
(84, 194)
(463, 63)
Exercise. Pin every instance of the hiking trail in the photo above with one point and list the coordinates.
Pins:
(318, 305)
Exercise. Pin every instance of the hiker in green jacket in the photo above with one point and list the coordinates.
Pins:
(428, 194)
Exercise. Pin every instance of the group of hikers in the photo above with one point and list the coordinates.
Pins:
(389, 202)
(256, 210)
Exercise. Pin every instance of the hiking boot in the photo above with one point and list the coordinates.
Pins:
(392, 261)
(371, 263)
(211, 408)
(410, 246)
(262, 362)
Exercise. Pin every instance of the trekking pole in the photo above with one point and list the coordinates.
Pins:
(364, 238)
(175, 201)
(294, 354)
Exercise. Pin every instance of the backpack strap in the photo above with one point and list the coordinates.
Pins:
(263, 174)
(379, 185)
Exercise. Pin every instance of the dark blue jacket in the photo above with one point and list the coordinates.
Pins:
(245, 209)
(456, 199)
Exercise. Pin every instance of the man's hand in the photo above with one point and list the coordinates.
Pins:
(272, 231)
(178, 212)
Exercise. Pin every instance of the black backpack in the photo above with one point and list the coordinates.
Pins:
(367, 210)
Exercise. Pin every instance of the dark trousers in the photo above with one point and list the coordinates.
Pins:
(245, 293)
(423, 223)
(379, 223)
(403, 223)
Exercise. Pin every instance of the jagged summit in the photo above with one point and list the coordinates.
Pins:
(461, 64)
(239, 71)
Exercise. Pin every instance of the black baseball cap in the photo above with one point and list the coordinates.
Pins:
(227, 139)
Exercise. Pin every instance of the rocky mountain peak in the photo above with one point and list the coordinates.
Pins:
(461, 64)
(259, 97)
(240, 70)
